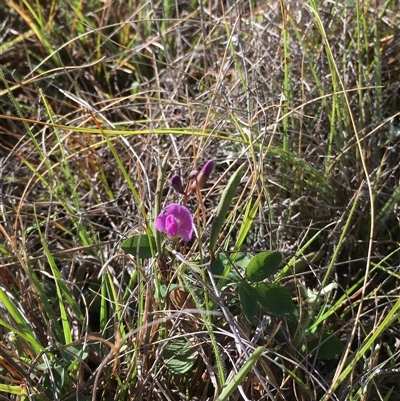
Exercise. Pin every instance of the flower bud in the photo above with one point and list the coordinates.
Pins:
(176, 183)
(202, 177)
(193, 174)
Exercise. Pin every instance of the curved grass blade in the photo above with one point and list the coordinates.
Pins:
(17, 390)
(223, 206)
(240, 376)
(22, 327)
(248, 219)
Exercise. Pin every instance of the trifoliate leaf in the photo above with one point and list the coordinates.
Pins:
(263, 265)
(179, 355)
(274, 299)
(248, 301)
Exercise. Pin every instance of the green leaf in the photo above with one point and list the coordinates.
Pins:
(141, 246)
(327, 347)
(178, 356)
(248, 301)
(293, 322)
(58, 374)
(163, 290)
(274, 299)
(263, 265)
(72, 355)
(239, 259)
(223, 206)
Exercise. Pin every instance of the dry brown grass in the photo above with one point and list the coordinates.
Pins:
(97, 88)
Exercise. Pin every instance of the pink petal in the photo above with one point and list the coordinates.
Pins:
(186, 235)
(160, 222)
(176, 221)
(185, 224)
(171, 226)
(173, 208)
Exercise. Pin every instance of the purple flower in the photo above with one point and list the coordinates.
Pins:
(203, 176)
(176, 221)
(176, 183)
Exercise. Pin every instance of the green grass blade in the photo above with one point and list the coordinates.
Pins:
(223, 206)
(17, 390)
(23, 328)
(241, 375)
(369, 342)
(248, 220)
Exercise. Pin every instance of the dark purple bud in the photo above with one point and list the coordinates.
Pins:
(203, 176)
(207, 169)
(176, 183)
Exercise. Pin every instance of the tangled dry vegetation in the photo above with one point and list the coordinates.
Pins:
(96, 95)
